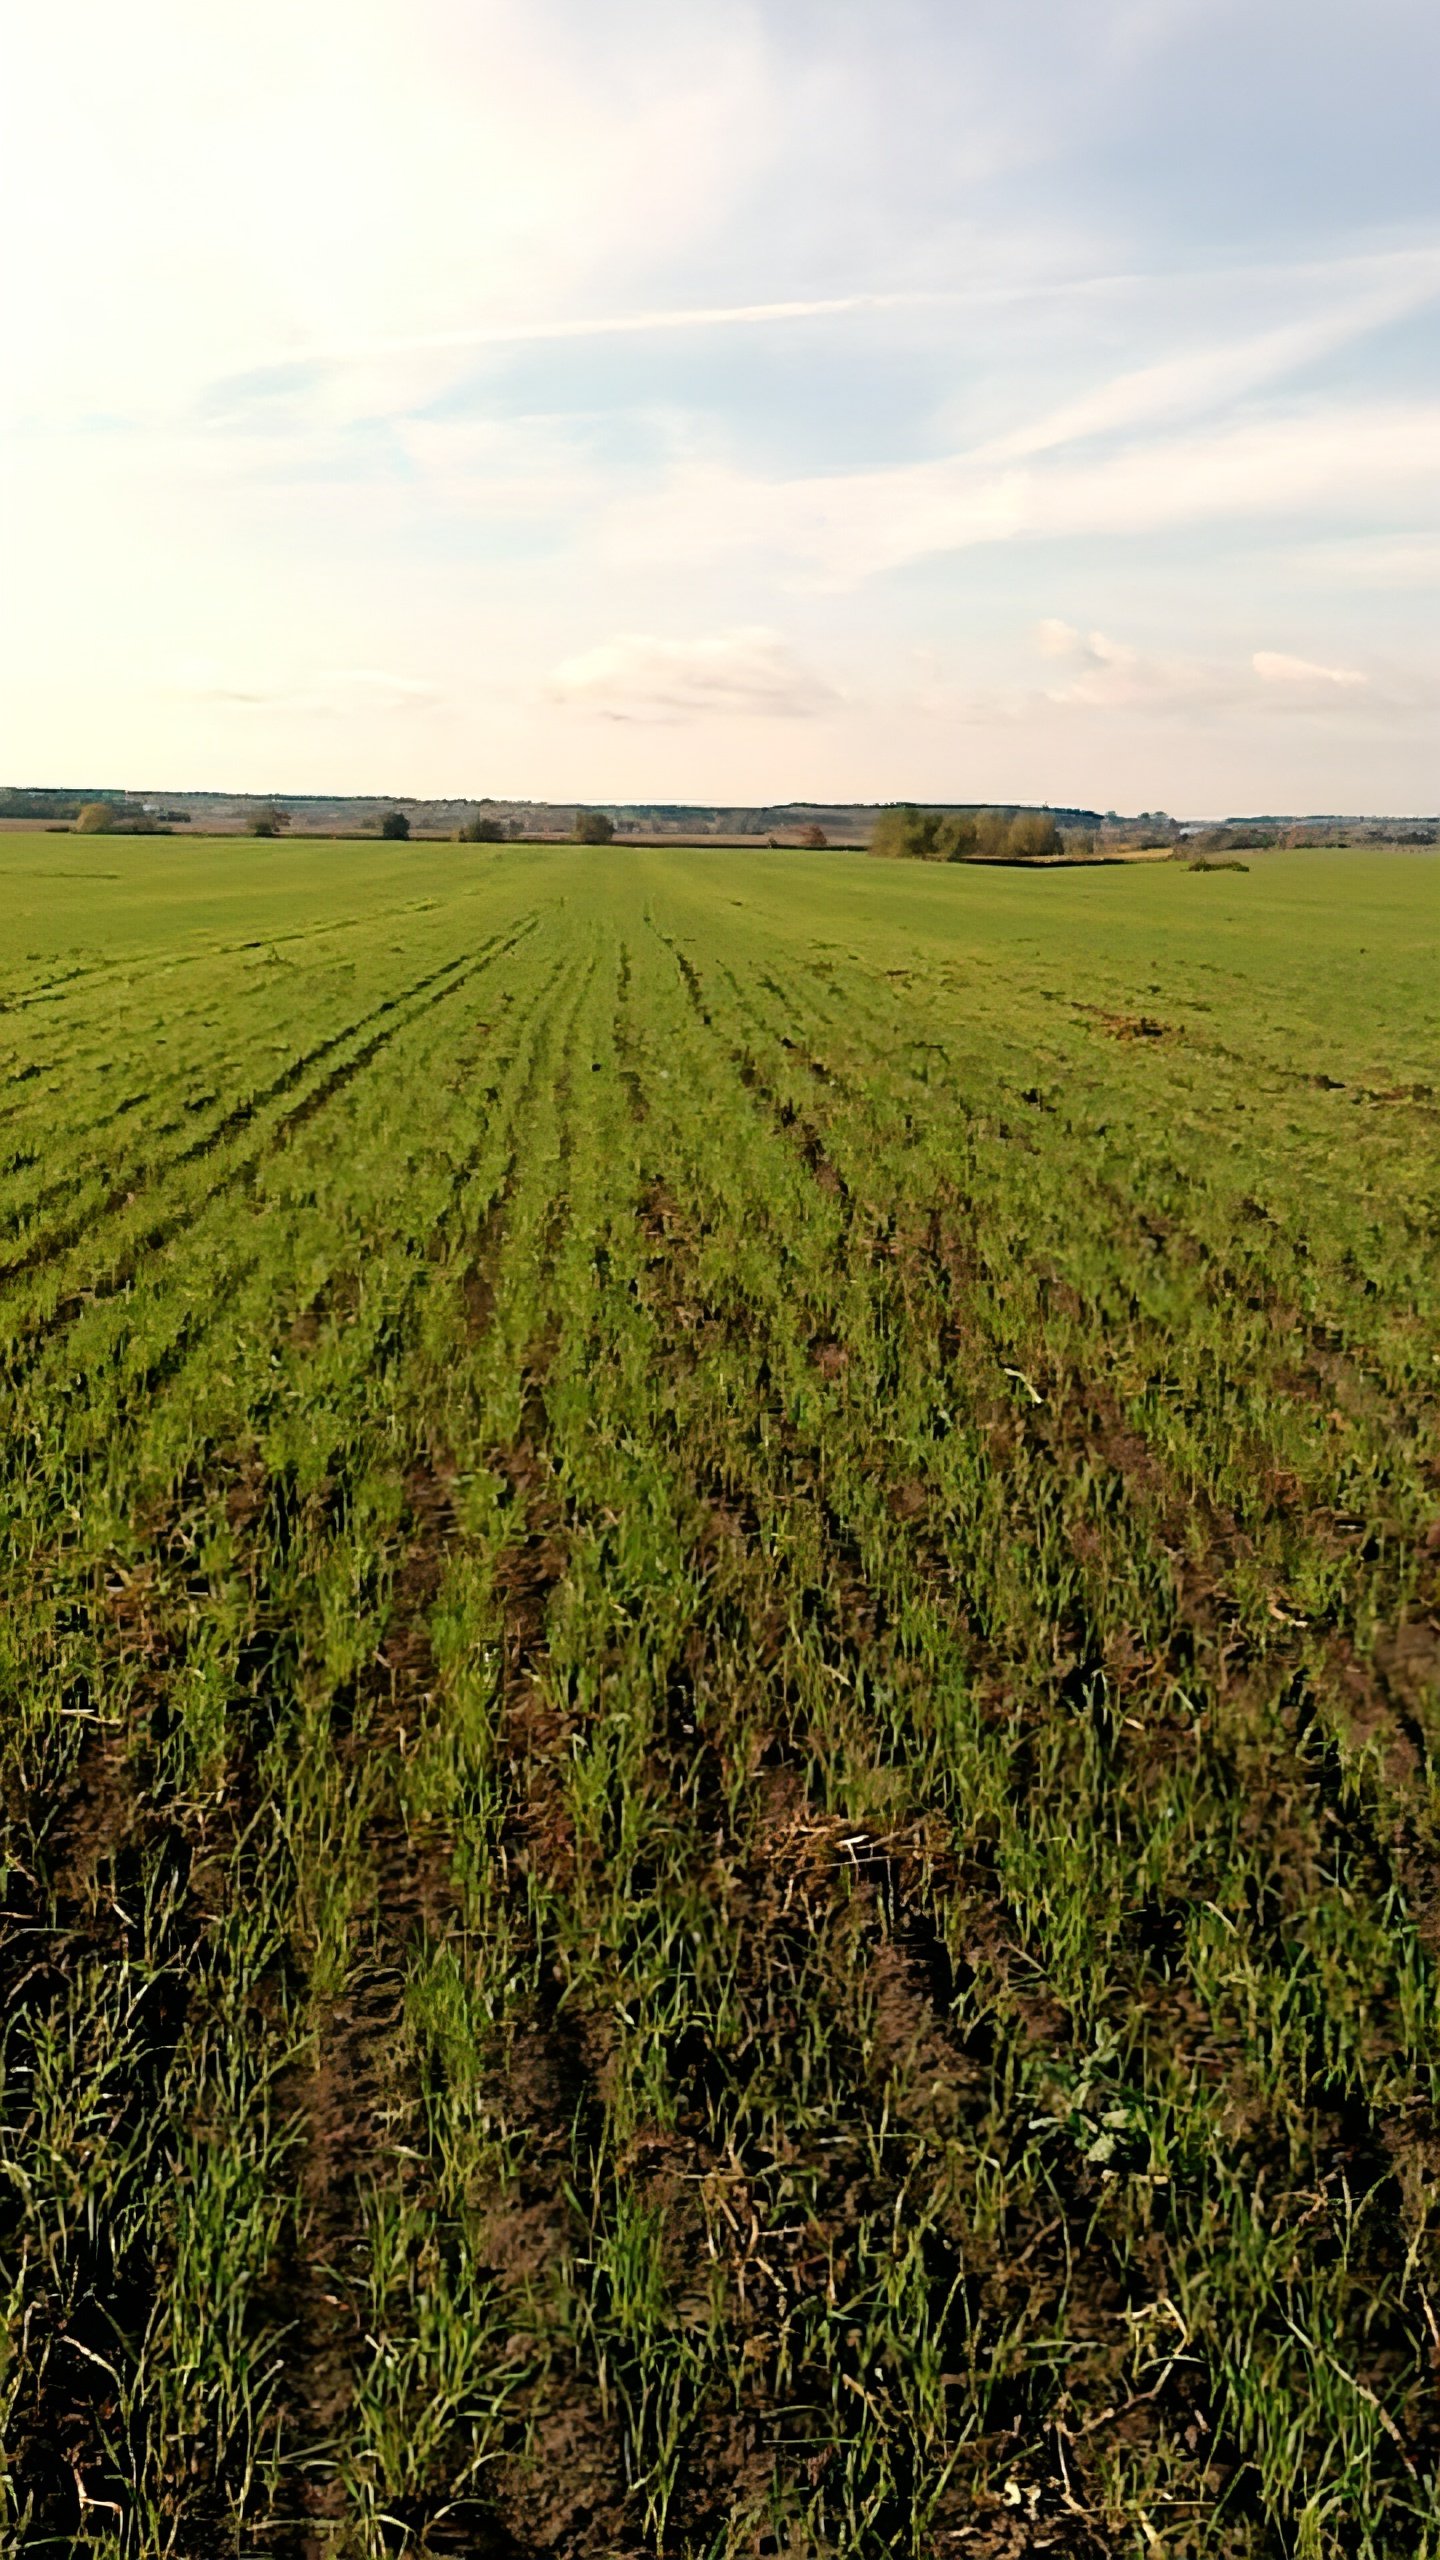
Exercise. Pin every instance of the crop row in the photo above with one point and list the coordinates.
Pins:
(719, 1810)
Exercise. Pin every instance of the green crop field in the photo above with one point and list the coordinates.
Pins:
(720, 1650)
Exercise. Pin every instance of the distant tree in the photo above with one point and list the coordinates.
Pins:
(482, 831)
(395, 826)
(992, 835)
(905, 834)
(814, 839)
(957, 837)
(593, 827)
(269, 820)
(96, 818)
(1034, 836)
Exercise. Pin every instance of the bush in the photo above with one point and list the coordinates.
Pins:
(814, 839)
(95, 819)
(593, 827)
(395, 826)
(482, 831)
(270, 820)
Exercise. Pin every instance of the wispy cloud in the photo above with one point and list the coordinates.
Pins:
(1379, 561)
(333, 692)
(749, 673)
(628, 324)
(1273, 666)
(844, 528)
(1201, 379)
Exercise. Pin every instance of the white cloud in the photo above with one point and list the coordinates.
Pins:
(1095, 651)
(1111, 675)
(1098, 678)
(1056, 639)
(1272, 666)
(727, 674)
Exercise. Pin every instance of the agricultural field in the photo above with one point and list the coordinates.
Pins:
(721, 1639)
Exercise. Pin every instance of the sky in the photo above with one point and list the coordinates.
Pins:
(724, 400)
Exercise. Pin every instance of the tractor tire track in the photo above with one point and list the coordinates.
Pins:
(50, 1247)
(36, 1337)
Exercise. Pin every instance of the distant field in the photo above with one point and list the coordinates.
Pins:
(723, 1641)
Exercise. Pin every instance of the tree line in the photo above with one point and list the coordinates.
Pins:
(908, 834)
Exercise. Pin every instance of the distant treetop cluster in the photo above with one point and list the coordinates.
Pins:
(106, 818)
(975, 835)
